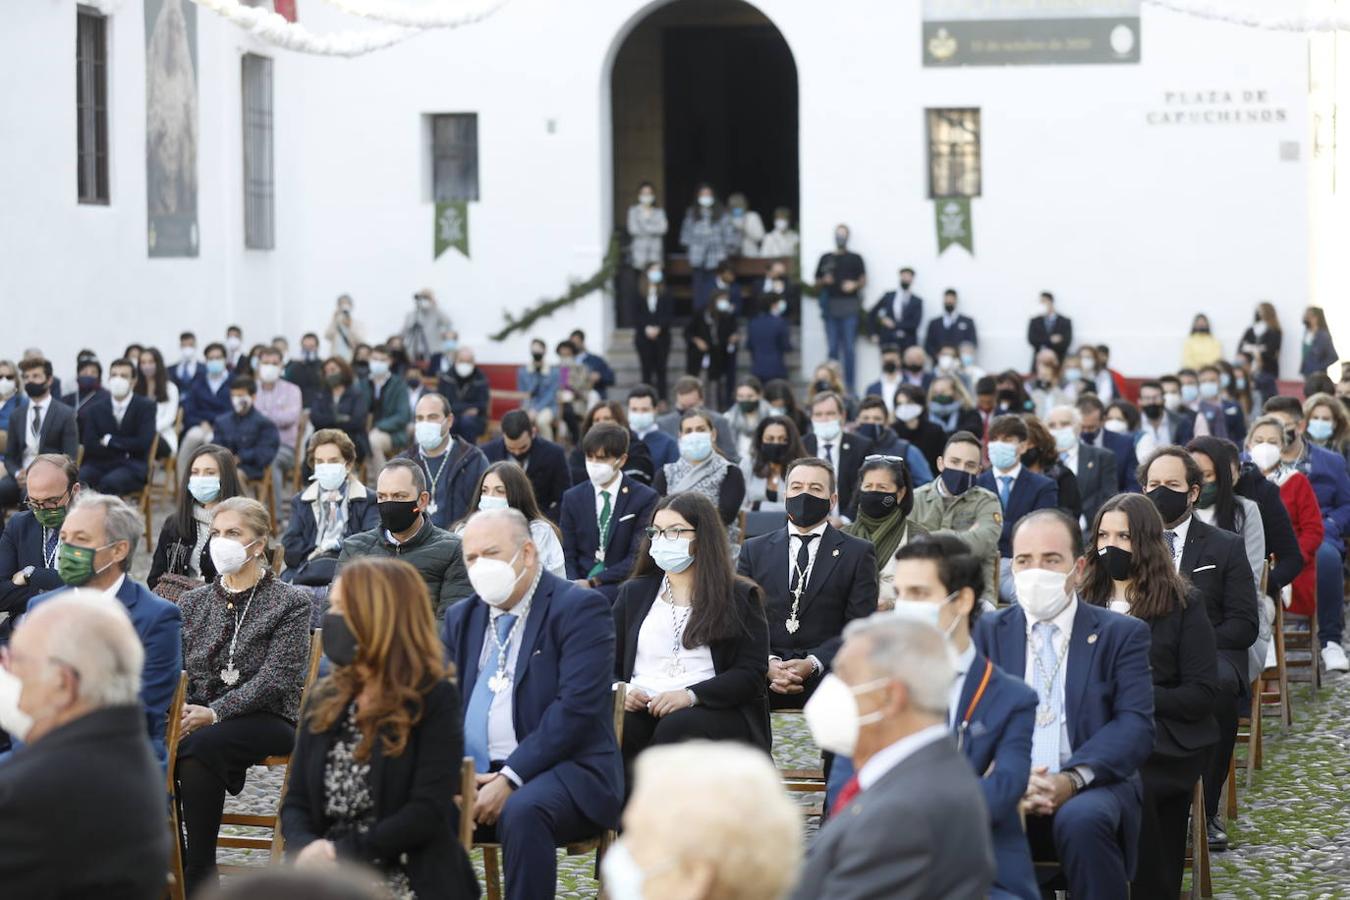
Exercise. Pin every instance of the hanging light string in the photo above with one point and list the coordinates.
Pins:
(1302, 18)
(274, 29)
(437, 15)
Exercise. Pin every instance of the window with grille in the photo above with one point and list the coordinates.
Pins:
(259, 208)
(91, 105)
(953, 153)
(454, 157)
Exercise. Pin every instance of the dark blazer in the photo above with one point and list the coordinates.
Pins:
(302, 530)
(348, 413)
(917, 834)
(1281, 539)
(939, 335)
(546, 466)
(640, 466)
(414, 822)
(907, 318)
(159, 625)
(253, 438)
(1108, 697)
(662, 317)
(662, 447)
(1215, 562)
(997, 742)
(632, 512)
(1270, 343)
(20, 547)
(1057, 338)
(180, 375)
(307, 375)
(1127, 463)
(201, 404)
(51, 849)
(850, 449)
(59, 434)
(598, 365)
(741, 662)
(842, 587)
(1030, 491)
(1185, 680)
(169, 539)
(129, 443)
(452, 489)
(769, 340)
(473, 392)
(1097, 478)
(81, 401)
(562, 703)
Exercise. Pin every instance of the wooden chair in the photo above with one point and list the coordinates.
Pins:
(492, 873)
(468, 792)
(261, 490)
(278, 559)
(1197, 859)
(274, 843)
(173, 734)
(803, 781)
(1273, 684)
(141, 499)
(169, 465)
(1303, 652)
(300, 428)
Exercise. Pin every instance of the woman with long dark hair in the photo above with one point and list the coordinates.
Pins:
(377, 757)
(782, 400)
(1261, 341)
(504, 484)
(693, 642)
(1129, 569)
(776, 443)
(885, 498)
(182, 547)
(152, 381)
(703, 469)
(1318, 351)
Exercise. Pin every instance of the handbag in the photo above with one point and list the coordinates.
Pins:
(174, 583)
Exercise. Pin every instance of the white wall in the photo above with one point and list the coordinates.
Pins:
(1134, 227)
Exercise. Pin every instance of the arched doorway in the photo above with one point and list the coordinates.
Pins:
(703, 90)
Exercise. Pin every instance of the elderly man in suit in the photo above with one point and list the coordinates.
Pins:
(43, 424)
(1094, 467)
(73, 673)
(603, 519)
(31, 539)
(117, 433)
(536, 657)
(1215, 563)
(1019, 490)
(1094, 715)
(844, 451)
(816, 580)
(912, 823)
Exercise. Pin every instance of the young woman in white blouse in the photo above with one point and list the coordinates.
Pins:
(692, 640)
(505, 484)
(152, 381)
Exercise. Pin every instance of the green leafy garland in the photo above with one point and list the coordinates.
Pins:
(544, 308)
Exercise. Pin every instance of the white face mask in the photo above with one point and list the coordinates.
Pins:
(1266, 456)
(827, 430)
(646, 199)
(428, 435)
(622, 876)
(1116, 426)
(189, 352)
(269, 372)
(1171, 401)
(119, 386)
(463, 369)
(601, 473)
(12, 718)
(946, 362)
(229, 556)
(705, 201)
(240, 404)
(927, 612)
(908, 411)
(494, 579)
(1040, 593)
(832, 714)
(487, 501)
(233, 343)
(7, 387)
(780, 225)
(330, 476)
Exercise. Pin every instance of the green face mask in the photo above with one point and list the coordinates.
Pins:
(75, 564)
(1208, 494)
(50, 518)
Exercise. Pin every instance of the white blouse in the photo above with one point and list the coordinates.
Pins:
(656, 641)
(550, 548)
(166, 415)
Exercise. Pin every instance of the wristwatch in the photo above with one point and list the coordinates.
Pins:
(1076, 781)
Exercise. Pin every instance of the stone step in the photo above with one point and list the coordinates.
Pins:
(621, 354)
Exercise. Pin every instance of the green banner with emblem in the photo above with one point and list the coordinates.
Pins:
(452, 227)
(954, 224)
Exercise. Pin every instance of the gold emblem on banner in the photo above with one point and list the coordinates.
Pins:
(942, 46)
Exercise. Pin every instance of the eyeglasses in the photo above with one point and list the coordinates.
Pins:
(673, 533)
(881, 457)
(50, 503)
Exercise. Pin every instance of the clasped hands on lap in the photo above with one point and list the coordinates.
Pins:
(787, 676)
(1046, 792)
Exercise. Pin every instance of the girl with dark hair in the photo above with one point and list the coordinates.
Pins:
(1126, 414)
(776, 443)
(702, 469)
(885, 497)
(692, 639)
(504, 484)
(182, 547)
(1130, 570)
(1318, 351)
(782, 401)
(913, 424)
(152, 381)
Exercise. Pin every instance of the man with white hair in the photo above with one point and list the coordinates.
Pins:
(1094, 467)
(706, 820)
(82, 802)
(535, 654)
(98, 539)
(885, 704)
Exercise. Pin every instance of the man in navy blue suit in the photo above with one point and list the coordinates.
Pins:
(602, 519)
(951, 329)
(1094, 717)
(117, 431)
(98, 540)
(536, 657)
(898, 314)
(543, 461)
(1095, 434)
(642, 419)
(1163, 425)
(1018, 489)
(31, 539)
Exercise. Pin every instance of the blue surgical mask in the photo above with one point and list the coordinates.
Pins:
(1241, 383)
(215, 366)
(204, 488)
(379, 368)
(1209, 389)
(1072, 375)
(450, 345)
(778, 410)
(1224, 380)
(656, 277)
(672, 554)
(1189, 393)
(696, 446)
(487, 501)
(330, 476)
(1320, 429)
(826, 431)
(1002, 454)
(641, 421)
(428, 435)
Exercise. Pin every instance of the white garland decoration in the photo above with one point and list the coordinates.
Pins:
(273, 28)
(409, 17)
(1221, 11)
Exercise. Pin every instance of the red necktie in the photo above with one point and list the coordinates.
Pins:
(846, 795)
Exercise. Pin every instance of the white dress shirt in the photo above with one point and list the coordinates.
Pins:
(116, 586)
(888, 758)
(502, 740)
(795, 546)
(31, 444)
(1180, 530)
(1064, 621)
(888, 388)
(1161, 432)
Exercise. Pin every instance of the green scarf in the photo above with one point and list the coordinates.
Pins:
(885, 534)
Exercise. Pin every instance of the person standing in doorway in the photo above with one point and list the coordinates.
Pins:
(840, 278)
(647, 227)
(708, 237)
(654, 312)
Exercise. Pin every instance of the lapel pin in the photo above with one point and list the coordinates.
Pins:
(1092, 638)
(624, 490)
(836, 551)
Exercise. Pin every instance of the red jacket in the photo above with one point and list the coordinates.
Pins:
(1306, 514)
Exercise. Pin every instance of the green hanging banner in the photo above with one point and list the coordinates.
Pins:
(452, 227)
(954, 225)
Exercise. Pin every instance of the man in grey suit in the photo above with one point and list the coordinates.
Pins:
(689, 395)
(1094, 467)
(912, 822)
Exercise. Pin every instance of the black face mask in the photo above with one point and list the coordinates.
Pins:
(1290, 434)
(773, 453)
(537, 356)
(398, 515)
(1172, 505)
(870, 430)
(807, 510)
(361, 367)
(748, 406)
(822, 386)
(334, 380)
(1089, 437)
(36, 391)
(889, 367)
(1152, 410)
(1118, 562)
(949, 307)
(1007, 398)
(956, 481)
(339, 644)
(877, 504)
(914, 367)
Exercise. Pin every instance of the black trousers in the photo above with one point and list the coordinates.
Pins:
(641, 730)
(1168, 782)
(653, 355)
(1230, 701)
(212, 760)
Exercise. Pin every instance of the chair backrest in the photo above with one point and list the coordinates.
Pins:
(762, 521)
(620, 695)
(150, 455)
(1265, 575)
(173, 730)
(315, 654)
(468, 791)
(278, 559)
